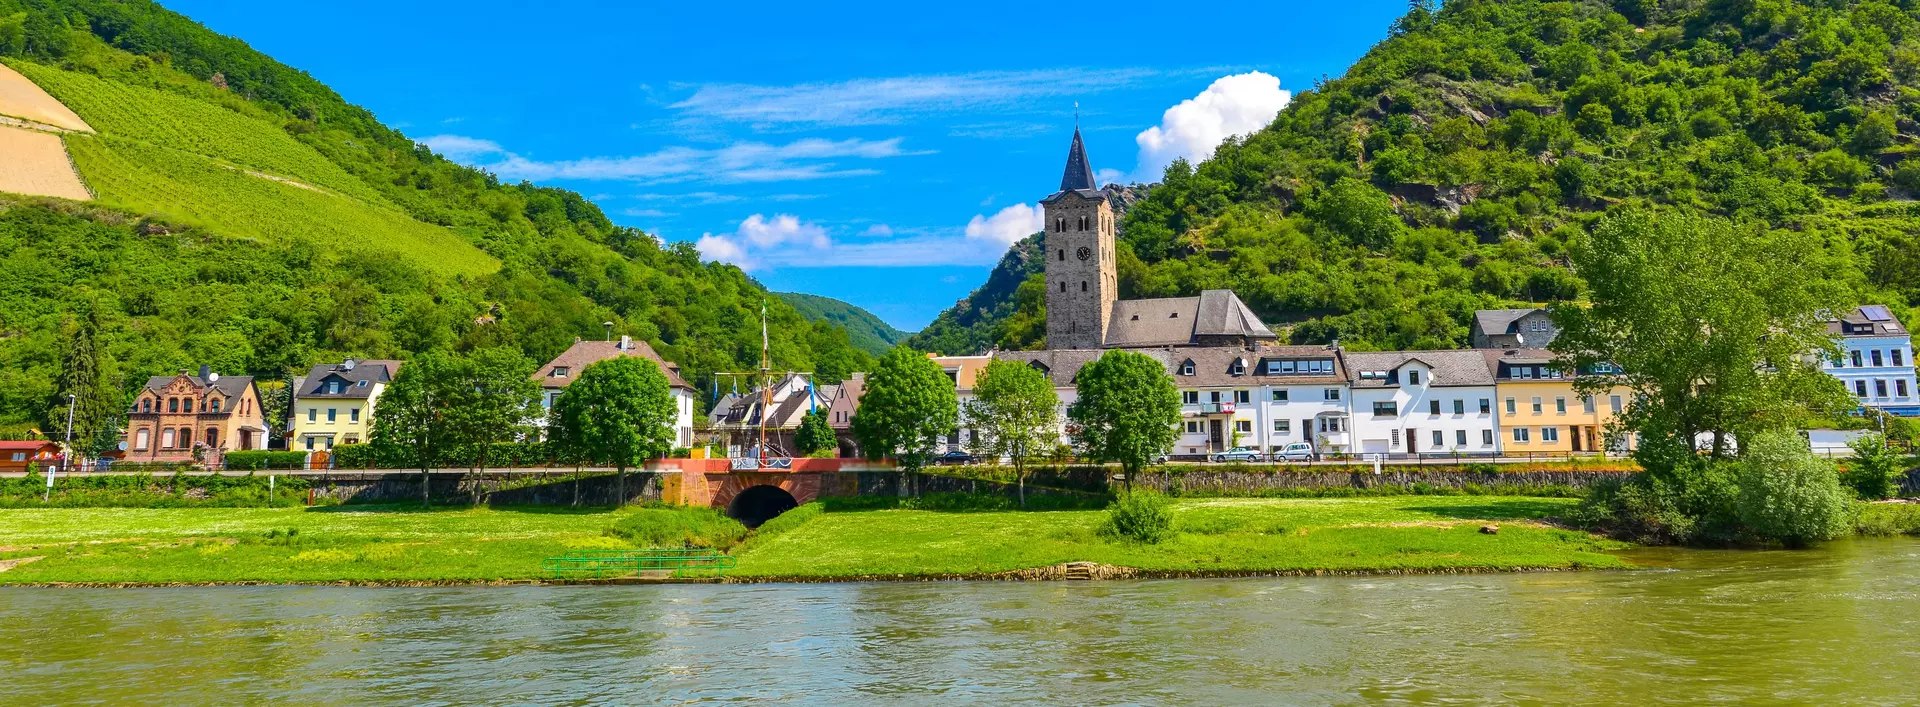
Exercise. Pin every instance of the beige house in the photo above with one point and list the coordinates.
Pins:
(333, 404)
(173, 418)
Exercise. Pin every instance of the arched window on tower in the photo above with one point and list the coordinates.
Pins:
(1083, 285)
(1063, 285)
(1063, 255)
(1060, 224)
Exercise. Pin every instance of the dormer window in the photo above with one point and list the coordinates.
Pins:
(1038, 366)
(560, 371)
(1239, 368)
(333, 387)
(1413, 377)
(1186, 369)
(214, 404)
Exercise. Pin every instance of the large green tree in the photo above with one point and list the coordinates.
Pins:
(620, 411)
(1014, 413)
(1128, 410)
(908, 406)
(498, 401)
(416, 412)
(86, 386)
(1714, 326)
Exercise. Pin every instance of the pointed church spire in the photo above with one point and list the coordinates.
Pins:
(1079, 174)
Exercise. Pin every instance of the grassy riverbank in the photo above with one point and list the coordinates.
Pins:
(400, 545)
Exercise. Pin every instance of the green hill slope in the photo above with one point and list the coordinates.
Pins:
(867, 332)
(1451, 166)
(251, 219)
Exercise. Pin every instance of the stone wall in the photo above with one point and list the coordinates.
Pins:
(557, 488)
(1232, 483)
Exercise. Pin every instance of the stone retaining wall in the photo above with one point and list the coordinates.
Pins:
(1231, 483)
(518, 489)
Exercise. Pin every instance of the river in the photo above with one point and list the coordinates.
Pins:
(1835, 625)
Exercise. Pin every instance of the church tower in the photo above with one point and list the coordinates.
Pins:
(1082, 271)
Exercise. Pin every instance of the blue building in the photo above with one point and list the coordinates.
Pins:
(1876, 360)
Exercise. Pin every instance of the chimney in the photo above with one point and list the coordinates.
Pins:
(626, 342)
(205, 370)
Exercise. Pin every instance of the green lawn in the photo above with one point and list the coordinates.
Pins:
(1422, 533)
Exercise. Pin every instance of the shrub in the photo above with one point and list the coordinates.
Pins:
(679, 526)
(1789, 495)
(1691, 503)
(260, 459)
(1874, 470)
(1144, 516)
(1888, 519)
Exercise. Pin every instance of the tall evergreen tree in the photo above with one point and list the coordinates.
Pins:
(85, 383)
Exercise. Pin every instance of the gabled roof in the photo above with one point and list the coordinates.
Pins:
(582, 353)
(1180, 321)
(1867, 320)
(1500, 321)
(232, 386)
(313, 385)
(1451, 367)
(965, 369)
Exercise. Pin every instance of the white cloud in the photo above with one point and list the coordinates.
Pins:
(1109, 176)
(721, 249)
(781, 229)
(1008, 225)
(759, 239)
(878, 230)
(1233, 105)
(740, 162)
(888, 100)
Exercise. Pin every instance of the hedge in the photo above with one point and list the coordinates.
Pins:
(260, 459)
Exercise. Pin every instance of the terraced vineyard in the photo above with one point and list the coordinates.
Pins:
(198, 190)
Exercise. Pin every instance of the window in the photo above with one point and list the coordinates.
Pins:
(1876, 357)
(1613, 401)
(1063, 252)
(1333, 393)
(19, 456)
(1549, 434)
(1213, 396)
(1433, 407)
(309, 444)
(1396, 438)
(1193, 427)
(333, 387)
(1083, 285)
(330, 413)
(1063, 285)
(1439, 439)
(1856, 359)
(1900, 387)
(353, 414)
(1460, 438)
(1280, 395)
(1559, 406)
(1413, 378)
(1879, 387)
(1239, 368)
(1243, 396)
(215, 405)
(1186, 369)
(173, 405)
(1282, 426)
(1059, 224)
(1385, 408)
(1190, 397)
(1459, 406)
(1519, 434)
(1330, 424)
(1860, 388)
(562, 371)
(142, 438)
(213, 437)
(1243, 425)
(1486, 406)
(353, 439)
(1509, 406)
(1536, 404)
(146, 405)
(166, 438)
(1899, 355)
(313, 414)
(1486, 437)
(1586, 404)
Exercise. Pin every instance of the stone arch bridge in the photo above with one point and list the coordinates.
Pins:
(755, 495)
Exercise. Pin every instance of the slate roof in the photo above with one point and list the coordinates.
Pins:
(313, 384)
(1077, 178)
(1859, 323)
(743, 409)
(577, 357)
(1179, 321)
(1213, 365)
(1500, 321)
(1451, 367)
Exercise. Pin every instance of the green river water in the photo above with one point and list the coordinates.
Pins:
(1835, 625)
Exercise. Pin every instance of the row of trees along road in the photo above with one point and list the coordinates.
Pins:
(1126, 412)
(618, 412)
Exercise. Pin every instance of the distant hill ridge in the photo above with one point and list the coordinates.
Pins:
(867, 332)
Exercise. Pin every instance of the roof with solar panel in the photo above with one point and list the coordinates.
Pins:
(1868, 320)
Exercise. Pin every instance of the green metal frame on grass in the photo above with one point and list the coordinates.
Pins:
(602, 564)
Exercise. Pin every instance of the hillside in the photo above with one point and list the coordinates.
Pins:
(867, 332)
(1451, 166)
(248, 217)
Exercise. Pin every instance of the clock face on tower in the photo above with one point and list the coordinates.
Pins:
(1084, 252)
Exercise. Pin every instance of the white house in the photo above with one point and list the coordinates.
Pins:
(1423, 402)
(1876, 360)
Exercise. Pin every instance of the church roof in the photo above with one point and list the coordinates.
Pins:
(1078, 177)
(1178, 321)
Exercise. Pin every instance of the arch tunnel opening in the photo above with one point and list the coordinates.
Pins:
(759, 504)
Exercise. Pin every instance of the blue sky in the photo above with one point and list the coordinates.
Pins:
(883, 154)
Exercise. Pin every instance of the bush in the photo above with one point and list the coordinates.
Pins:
(260, 459)
(1789, 495)
(1874, 471)
(1691, 503)
(1888, 519)
(679, 526)
(1144, 516)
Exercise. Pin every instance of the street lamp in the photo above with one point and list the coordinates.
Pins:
(609, 327)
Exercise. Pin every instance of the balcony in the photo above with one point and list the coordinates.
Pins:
(1216, 408)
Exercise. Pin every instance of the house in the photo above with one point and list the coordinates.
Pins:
(173, 416)
(17, 455)
(964, 371)
(333, 404)
(840, 413)
(1538, 410)
(1876, 360)
(1263, 396)
(563, 369)
(1423, 402)
(1513, 329)
(735, 418)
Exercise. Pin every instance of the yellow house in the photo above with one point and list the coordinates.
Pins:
(1538, 410)
(333, 404)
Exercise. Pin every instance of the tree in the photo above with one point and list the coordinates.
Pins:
(1709, 324)
(619, 411)
(1014, 413)
(1874, 468)
(1127, 410)
(496, 401)
(95, 400)
(1359, 212)
(415, 410)
(814, 435)
(909, 405)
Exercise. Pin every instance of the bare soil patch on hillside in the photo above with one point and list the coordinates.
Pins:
(37, 165)
(25, 99)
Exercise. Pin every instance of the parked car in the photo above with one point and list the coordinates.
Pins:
(955, 457)
(1296, 452)
(1237, 454)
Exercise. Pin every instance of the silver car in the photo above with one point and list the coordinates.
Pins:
(1237, 454)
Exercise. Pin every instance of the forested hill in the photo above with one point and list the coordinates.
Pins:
(250, 218)
(868, 332)
(1451, 166)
